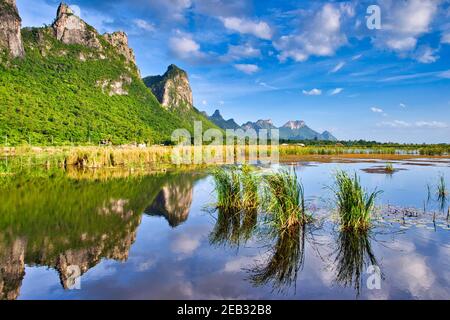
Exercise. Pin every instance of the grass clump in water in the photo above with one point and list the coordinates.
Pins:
(228, 189)
(389, 168)
(354, 204)
(285, 200)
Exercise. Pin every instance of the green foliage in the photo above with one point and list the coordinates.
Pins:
(228, 189)
(354, 204)
(53, 97)
(285, 200)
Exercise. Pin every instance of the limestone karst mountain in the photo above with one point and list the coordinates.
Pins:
(172, 89)
(217, 118)
(292, 130)
(10, 32)
(77, 85)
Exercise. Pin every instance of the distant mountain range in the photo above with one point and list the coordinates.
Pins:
(292, 130)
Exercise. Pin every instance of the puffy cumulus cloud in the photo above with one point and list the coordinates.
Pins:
(321, 35)
(312, 92)
(184, 47)
(247, 68)
(404, 22)
(259, 29)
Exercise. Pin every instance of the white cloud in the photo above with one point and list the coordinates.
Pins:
(427, 55)
(204, 102)
(259, 29)
(184, 47)
(247, 68)
(376, 110)
(321, 35)
(417, 124)
(338, 67)
(357, 57)
(431, 124)
(242, 52)
(405, 22)
(313, 92)
(446, 38)
(336, 91)
(402, 105)
(144, 25)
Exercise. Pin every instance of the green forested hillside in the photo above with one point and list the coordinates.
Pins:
(55, 96)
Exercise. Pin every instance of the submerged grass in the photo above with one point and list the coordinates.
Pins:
(354, 204)
(442, 188)
(285, 200)
(389, 168)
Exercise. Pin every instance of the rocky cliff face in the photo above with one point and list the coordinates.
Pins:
(70, 29)
(10, 24)
(119, 40)
(172, 89)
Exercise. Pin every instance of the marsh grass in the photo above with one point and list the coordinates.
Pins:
(389, 168)
(285, 200)
(228, 189)
(249, 184)
(354, 204)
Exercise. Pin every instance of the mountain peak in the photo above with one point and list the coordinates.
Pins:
(217, 119)
(294, 125)
(71, 29)
(172, 89)
(216, 113)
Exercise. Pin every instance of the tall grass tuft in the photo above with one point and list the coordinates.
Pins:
(389, 168)
(354, 204)
(249, 184)
(285, 200)
(228, 188)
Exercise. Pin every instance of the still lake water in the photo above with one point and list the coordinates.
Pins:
(156, 237)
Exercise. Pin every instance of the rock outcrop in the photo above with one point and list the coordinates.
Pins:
(172, 89)
(258, 125)
(119, 40)
(115, 87)
(294, 125)
(71, 29)
(10, 24)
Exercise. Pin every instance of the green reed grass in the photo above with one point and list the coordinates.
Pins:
(355, 205)
(249, 184)
(285, 200)
(228, 188)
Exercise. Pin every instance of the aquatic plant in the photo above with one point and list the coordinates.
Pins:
(228, 188)
(354, 204)
(249, 184)
(389, 168)
(285, 200)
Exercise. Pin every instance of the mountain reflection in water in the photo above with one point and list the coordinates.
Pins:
(60, 222)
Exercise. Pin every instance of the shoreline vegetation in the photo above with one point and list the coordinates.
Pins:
(134, 157)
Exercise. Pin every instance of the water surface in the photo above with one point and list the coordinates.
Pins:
(156, 237)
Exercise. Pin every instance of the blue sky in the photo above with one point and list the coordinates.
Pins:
(294, 60)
